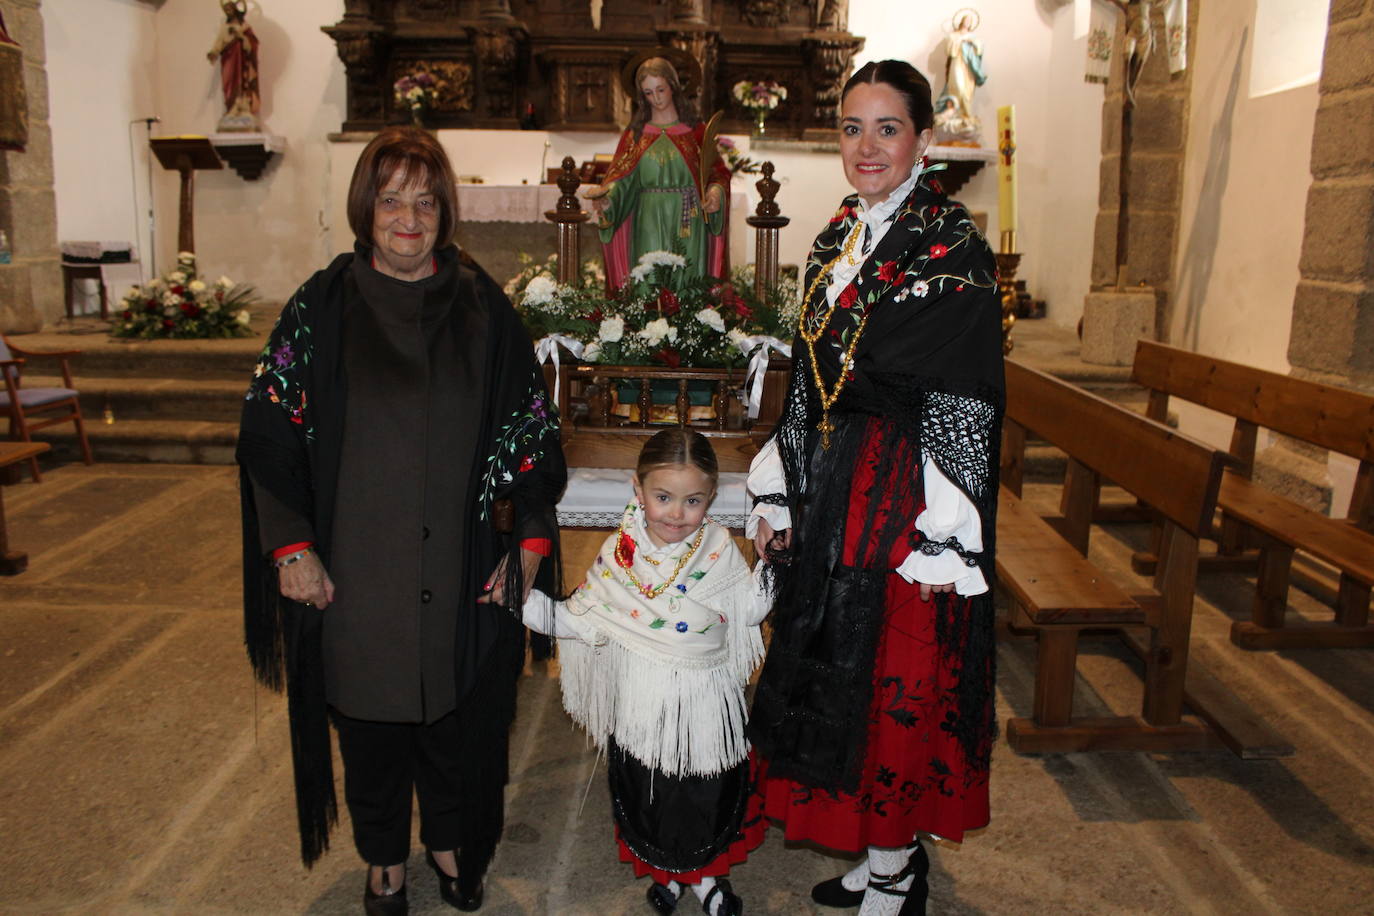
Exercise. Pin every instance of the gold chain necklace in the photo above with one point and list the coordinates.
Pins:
(625, 562)
(825, 427)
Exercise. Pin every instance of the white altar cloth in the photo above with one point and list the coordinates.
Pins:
(511, 203)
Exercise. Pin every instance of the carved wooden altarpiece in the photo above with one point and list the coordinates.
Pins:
(499, 57)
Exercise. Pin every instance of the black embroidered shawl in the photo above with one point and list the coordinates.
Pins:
(290, 440)
(926, 380)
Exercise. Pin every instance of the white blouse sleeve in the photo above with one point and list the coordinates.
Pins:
(766, 478)
(540, 610)
(948, 513)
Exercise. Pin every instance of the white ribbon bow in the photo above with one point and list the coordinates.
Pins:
(547, 348)
(758, 366)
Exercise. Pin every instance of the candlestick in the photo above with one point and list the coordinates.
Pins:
(1006, 171)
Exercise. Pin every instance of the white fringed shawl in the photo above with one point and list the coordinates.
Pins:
(665, 676)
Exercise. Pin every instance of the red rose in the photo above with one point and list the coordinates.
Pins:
(595, 317)
(669, 358)
(668, 303)
(741, 309)
(152, 308)
(526, 463)
(938, 251)
(177, 290)
(625, 551)
(888, 272)
(847, 297)
(168, 323)
(128, 315)
(841, 215)
(190, 310)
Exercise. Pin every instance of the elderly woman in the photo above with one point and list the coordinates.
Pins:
(656, 196)
(396, 402)
(874, 709)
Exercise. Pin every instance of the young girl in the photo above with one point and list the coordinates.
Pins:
(656, 647)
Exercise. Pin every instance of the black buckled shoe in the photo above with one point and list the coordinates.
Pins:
(661, 898)
(914, 897)
(730, 904)
(394, 904)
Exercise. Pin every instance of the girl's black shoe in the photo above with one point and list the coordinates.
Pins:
(730, 904)
(661, 898)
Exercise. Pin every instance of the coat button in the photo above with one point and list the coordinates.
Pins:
(424, 533)
(425, 596)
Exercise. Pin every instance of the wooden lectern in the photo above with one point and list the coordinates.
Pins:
(185, 155)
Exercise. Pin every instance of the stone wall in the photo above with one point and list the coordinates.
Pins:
(1160, 135)
(31, 286)
(1333, 310)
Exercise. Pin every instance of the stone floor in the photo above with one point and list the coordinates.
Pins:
(142, 771)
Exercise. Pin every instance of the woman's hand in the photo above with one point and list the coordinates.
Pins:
(928, 590)
(715, 197)
(493, 592)
(765, 536)
(306, 581)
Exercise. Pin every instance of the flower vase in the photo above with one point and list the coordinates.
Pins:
(759, 117)
(417, 115)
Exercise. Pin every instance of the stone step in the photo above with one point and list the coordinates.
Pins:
(161, 398)
(106, 357)
(141, 441)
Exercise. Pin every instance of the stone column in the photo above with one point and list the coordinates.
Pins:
(1154, 189)
(31, 286)
(1332, 337)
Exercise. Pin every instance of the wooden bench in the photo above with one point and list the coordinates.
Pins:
(13, 562)
(1252, 517)
(1055, 590)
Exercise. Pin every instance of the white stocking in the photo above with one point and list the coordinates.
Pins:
(883, 862)
(704, 888)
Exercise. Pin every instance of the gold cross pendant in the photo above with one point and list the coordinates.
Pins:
(826, 428)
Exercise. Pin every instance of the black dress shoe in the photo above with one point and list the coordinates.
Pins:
(730, 904)
(661, 898)
(394, 904)
(833, 893)
(914, 897)
(456, 892)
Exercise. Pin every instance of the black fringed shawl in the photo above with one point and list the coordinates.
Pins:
(290, 441)
(927, 380)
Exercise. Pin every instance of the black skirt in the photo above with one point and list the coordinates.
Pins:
(676, 823)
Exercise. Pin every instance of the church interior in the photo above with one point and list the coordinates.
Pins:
(1184, 221)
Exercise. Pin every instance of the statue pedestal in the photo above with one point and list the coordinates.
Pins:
(1113, 322)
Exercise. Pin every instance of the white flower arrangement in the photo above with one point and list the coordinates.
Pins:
(712, 319)
(764, 95)
(612, 330)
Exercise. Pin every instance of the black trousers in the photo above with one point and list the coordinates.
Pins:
(456, 767)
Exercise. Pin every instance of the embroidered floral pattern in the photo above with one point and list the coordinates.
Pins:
(520, 444)
(276, 377)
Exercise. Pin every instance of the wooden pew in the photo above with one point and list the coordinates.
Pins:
(1333, 418)
(1042, 564)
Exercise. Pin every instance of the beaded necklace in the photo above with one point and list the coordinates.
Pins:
(625, 562)
(825, 427)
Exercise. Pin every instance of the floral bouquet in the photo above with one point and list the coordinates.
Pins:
(181, 305)
(659, 317)
(734, 160)
(761, 96)
(417, 91)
